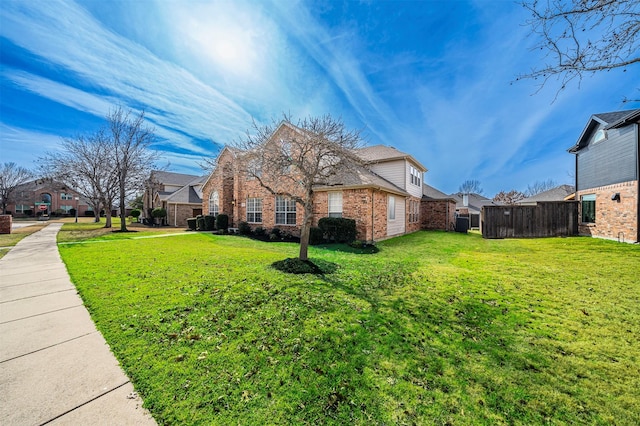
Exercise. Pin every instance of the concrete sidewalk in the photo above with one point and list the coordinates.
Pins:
(55, 367)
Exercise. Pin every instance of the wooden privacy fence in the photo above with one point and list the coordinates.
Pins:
(544, 219)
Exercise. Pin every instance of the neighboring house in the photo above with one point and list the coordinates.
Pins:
(470, 205)
(383, 195)
(46, 197)
(559, 193)
(179, 194)
(438, 209)
(607, 176)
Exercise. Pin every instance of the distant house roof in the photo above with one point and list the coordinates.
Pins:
(190, 193)
(382, 153)
(476, 202)
(429, 192)
(171, 178)
(559, 193)
(608, 120)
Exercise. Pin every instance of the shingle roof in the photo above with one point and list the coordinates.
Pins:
(359, 176)
(476, 202)
(171, 178)
(184, 195)
(559, 193)
(433, 193)
(611, 117)
(381, 153)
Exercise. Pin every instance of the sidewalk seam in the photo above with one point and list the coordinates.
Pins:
(48, 347)
(39, 295)
(41, 313)
(84, 403)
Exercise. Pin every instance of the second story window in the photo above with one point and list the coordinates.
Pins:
(65, 196)
(415, 176)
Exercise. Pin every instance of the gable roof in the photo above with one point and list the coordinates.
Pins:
(360, 177)
(608, 120)
(559, 193)
(383, 153)
(171, 178)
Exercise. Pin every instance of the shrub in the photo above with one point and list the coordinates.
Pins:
(222, 222)
(244, 228)
(72, 212)
(260, 231)
(277, 234)
(338, 229)
(316, 236)
(200, 223)
(28, 212)
(191, 223)
(158, 212)
(136, 213)
(209, 223)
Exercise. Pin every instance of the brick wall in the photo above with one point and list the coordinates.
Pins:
(413, 226)
(178, 216)
(437, 214)
(5, 223)
(614, 219)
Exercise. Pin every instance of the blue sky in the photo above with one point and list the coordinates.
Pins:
(432, 78)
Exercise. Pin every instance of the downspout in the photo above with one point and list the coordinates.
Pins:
(373, 194)
(638, 183)
(175, 215)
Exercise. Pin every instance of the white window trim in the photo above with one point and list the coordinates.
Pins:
(289, 207)
(252, 208)
(214, 203)
(334, 209)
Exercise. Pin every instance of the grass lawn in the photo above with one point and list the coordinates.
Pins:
(436, 328)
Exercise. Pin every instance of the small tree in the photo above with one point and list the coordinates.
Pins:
(11, 175)
(508, 197)
(159, 213)
(301, 157)
(135, 213)
(471, 187)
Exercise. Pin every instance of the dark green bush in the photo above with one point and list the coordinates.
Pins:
(158, 212)
(338, 229)
(277, 234)
(260, 231)
(222, 222)
(200, 223)
(244, 228)
(209, 223)
(134, 213)
(191, 223)
(316, 236)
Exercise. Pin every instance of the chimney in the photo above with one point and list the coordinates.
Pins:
(465, 200)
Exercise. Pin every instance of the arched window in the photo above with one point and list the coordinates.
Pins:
(214, 203)
(600, 136)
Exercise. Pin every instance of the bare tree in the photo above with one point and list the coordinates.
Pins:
(540, 186)
(85, 163)
(581, 37)
(471, 187)
(508, 197)
(312, 153)
(130, 143)
(11, 175)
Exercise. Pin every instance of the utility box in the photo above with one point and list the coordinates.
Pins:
(462, 224)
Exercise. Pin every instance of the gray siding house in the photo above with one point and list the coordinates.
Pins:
(607, 176)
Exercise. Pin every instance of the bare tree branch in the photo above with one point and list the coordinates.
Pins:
(580, 37)
(11, 175)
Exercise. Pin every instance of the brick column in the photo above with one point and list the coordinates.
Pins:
(5, 223)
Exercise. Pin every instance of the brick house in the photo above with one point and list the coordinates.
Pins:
(179, 194)
(46, 197)
(383, 194)
(607, 176)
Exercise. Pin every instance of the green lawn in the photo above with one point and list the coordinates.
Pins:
(436, 328)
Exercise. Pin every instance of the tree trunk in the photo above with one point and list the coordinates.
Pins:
(304, 232)
(123, 210)
(107, 213)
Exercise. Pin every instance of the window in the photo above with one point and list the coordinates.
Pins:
(415, 175)
(65, 196)
(391, 207)
(414, 211)
(335, 204)
(66, 209)
(21, 208)
(254, 210)
(588, 208)
(214, 204)
(600, 136)
(285, 211)
(254, 170)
